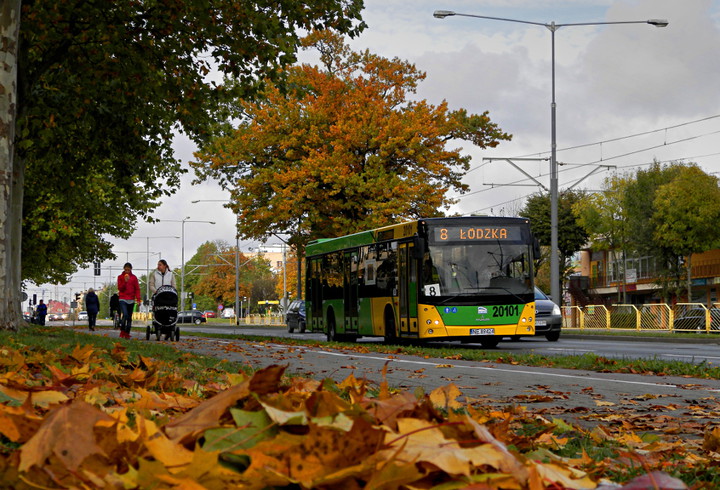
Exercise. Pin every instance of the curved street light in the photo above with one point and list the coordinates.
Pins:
(552, 26)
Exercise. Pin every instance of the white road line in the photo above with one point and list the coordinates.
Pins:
(584, 378)
(496, 369)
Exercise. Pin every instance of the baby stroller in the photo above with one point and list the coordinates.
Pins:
(164, 311)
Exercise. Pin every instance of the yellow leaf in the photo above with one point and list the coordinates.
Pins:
(169, 453)
(566, 477)
(41, 398)
(711, 439)
(445, 397)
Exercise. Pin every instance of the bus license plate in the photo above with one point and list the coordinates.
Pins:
(482, 331)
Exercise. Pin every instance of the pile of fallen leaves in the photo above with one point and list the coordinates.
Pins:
(93, 419)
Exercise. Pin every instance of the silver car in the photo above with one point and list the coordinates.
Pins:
(548, 317)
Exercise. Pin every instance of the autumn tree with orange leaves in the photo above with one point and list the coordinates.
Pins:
(342, 150)
(210, 275)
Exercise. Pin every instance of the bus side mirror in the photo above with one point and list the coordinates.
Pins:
(536, 248)
(418, 248)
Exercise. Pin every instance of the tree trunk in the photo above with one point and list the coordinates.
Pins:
(11, 173)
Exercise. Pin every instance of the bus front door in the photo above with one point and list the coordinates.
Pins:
(407, 290)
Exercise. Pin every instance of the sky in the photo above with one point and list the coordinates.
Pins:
(626, 95)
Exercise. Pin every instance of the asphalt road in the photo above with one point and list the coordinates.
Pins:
(586, 397)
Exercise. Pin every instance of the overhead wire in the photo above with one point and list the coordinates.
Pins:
(602, 161)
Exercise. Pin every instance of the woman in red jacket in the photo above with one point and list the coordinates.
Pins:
(129, 292)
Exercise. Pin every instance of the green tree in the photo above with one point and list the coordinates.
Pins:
(91, 94)
(571, 234)
(687, 212)
(604, 218)
(640, 211)
(343, 150)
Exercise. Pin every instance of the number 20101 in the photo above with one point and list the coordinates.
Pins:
(506, 310)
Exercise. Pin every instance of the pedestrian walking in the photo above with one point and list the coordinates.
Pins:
(129, 293)
(41, 312)
(92, 306)
(115, 310)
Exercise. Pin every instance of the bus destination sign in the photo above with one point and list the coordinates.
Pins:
(476, 233)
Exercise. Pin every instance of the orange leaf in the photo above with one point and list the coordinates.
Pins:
(67, 433)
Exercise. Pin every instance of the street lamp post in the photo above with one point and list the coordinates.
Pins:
(147, 262)
(552, 26)
(237, 256)
(182, 253)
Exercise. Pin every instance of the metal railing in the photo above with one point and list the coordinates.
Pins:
(657, 317)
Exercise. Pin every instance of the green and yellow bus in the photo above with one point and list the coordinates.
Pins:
(461, 278)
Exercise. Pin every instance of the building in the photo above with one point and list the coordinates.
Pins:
(601, 279)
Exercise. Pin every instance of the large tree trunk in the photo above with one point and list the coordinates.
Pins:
(11, 176)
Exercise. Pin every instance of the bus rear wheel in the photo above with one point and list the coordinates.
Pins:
(390, 330)
(331, 333)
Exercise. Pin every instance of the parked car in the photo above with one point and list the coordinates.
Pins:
(548, 317)
(295, 316)
(82, 316)
(209, 314)
(228, 313)
(693, 319)
(192, 316)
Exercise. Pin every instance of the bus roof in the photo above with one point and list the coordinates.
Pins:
(397, 231)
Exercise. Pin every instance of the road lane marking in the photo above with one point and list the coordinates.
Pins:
(584, 378)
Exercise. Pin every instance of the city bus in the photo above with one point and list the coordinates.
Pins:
(461, 278)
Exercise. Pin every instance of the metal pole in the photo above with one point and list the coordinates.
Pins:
(554, 259)
(284, 297)
(147, 269)
(237, 278)
(182, 271)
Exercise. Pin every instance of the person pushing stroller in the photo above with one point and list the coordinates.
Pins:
(164, 302)
(162, 276)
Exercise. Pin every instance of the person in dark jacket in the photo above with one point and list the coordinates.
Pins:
(115, 310)
(41, 312)
(92, 306)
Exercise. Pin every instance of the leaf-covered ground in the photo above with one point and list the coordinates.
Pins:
(88, 416)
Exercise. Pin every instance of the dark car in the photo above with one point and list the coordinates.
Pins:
(295, 316)
(193, 316)
(694, 319)
(548, 317)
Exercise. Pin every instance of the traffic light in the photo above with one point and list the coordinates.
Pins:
(97, 268)
(77, 296)
(34, 300)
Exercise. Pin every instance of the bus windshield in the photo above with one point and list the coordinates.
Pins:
(460, 269)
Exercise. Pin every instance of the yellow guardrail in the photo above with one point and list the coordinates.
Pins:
(681, 317)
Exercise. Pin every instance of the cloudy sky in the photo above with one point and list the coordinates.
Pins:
(626, 95)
